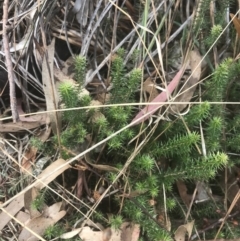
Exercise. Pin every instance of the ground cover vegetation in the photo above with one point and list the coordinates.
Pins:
(113, 162)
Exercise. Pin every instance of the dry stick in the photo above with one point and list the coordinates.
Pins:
(12, 92)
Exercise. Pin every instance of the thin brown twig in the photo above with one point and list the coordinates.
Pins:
(214, 225)
(12, 92)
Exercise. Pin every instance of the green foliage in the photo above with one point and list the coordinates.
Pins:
(144, 163)
(197, 113)
(79, 133)
(201, 22)
(233, 143)
(164, 159)
(118, 114)
(214, 34)
(37, 143)
(53, 232)
(115, 143)
(116, 222)
(171, 204)
(203, 19)
(219, 82)
(140, 211)
(192, 147)
(214, 131)
(82, 122)
(123, 86)
(72, 95)
(221, 77)
(178, 145)
(206, 167)
(80, 69)
(39, 202)
(69, 94)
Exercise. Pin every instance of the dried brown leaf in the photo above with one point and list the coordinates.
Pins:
(130, 232)
(38, 225)
(46, 176)
(149, 110)
(182, 189)
(203, 192)
(21, 125)
(44, 134)
(164, 220)
(127, 232)
(29, 158)
(180, 234)
(32, 118)
(62, 77)
(236, 23)
(12, 209)
(49, 88)
(49, 174)
(79, 186)
(68, 67)
(25, 123)
(29, 196)
(149, 87)
(22, 217)
(190, 86)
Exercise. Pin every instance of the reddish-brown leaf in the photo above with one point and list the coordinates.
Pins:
(149, 110)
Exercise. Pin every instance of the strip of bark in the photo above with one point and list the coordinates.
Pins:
(12, 92)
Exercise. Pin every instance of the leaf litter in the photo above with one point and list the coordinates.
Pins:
(83, 11)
